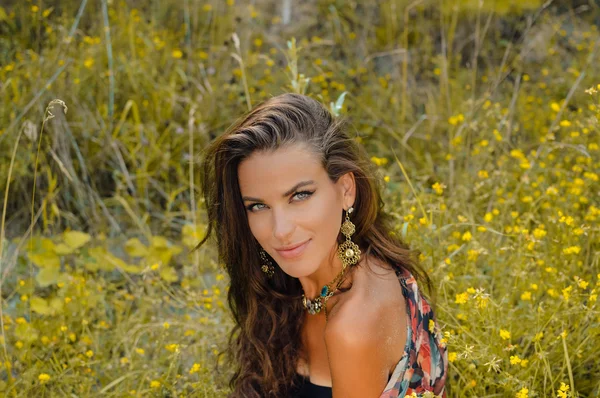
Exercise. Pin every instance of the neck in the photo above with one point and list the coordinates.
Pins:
(324, 275)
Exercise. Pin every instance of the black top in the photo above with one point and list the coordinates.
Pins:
(307, 389)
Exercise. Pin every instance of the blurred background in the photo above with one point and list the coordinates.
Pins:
(481, 115)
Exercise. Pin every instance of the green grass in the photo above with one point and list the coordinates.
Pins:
(483, 121)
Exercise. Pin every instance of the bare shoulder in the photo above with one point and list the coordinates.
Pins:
(375, 291)
(373, 312)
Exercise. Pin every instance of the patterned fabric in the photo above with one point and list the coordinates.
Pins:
(422, 370)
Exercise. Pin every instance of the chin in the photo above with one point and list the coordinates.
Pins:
(299, 271)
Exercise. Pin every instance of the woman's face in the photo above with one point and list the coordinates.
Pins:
(289, 200)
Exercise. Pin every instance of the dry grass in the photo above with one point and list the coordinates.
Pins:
(483, 120)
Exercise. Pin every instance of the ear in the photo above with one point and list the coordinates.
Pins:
(348, 186)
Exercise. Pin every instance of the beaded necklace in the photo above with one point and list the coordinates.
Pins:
(315, 305)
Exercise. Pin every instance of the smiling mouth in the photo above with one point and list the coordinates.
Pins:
(295, 252)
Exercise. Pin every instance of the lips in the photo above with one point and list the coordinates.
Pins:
(294, 251)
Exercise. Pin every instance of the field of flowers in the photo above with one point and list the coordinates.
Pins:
(482, 116)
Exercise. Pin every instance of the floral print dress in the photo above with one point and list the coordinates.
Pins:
(422, 370)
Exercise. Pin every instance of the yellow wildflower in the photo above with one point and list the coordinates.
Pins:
(539, 233)
(431, 325)
(462, 298)
(466, 236)
(582, 284)
(497, 135)
(482, 302)
(572, 250)
(379, 161)
(514, 360)
(195, 368)
(563, 390)
(566, 292)
(44, 378)
(89, 62)
(454, 120)
(438, 188)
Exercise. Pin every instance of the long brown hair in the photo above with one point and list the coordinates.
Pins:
(266, 339)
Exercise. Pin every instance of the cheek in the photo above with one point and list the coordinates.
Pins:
(259, 228)
(324, 220)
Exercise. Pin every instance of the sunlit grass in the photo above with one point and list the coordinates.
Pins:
(485, 130)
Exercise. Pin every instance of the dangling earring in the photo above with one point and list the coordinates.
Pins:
(267, 264)
(348, 252)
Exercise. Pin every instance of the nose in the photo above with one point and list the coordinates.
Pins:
(283, 226)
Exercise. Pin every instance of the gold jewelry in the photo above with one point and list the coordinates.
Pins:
(349, 253)
(267, 264)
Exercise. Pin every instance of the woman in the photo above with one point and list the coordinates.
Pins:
(322, 291)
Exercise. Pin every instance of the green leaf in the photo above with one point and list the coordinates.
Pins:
(44, 260)
(91, 265)
(57, 305)
(160, 242)
(47, 276)
(335, 109)
(404, 230)
(3, 15)
(26, 332)
(132, 269)
(169, 274)
(76, 239)
(40, 306)
(61, 249)
(101, 259)
(135, 248)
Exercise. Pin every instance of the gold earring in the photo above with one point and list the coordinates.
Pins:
(267, 264)
(348, 252)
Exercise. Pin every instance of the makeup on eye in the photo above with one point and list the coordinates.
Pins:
(307, 194)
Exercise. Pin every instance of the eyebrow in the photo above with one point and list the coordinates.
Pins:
(287, 193)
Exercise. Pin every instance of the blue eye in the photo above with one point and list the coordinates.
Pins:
(251, 207)
(307, 193)
(302, 194)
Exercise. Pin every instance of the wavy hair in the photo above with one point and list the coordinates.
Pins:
(265, 343)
